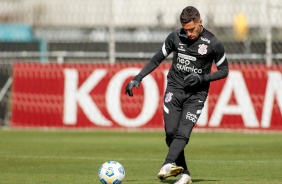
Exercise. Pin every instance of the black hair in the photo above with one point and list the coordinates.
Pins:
(189, 14)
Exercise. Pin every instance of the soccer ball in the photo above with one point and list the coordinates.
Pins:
(111, 172)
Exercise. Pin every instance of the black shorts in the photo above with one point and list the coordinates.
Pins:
(181, 111)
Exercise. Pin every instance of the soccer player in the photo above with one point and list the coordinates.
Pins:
(194, 50)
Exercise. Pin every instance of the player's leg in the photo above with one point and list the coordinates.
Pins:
(191, 112)
(176, 153)
(176, 149)
(180, 161)
(185, 175)
(181, 134)
(172, 115)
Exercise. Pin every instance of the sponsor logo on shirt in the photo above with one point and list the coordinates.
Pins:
(181, 48)
(184, 56)
(184, 61)
(205, 40)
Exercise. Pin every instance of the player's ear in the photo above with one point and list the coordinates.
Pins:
(200, 22)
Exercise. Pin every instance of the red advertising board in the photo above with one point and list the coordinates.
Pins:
(93, 96)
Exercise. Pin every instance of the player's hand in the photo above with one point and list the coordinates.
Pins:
(192, 79)
(130, 85)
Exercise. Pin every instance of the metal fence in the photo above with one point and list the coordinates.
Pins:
(123, 30)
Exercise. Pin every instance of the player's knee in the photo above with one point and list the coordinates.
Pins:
(169, 138)
(183, 137)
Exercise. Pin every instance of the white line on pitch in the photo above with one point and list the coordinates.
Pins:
(133, 159)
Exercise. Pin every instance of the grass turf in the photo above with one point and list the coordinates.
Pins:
(73, 157)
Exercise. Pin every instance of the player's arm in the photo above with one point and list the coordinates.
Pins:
(151, 65)
(221, 63)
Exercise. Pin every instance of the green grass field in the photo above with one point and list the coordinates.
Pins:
(70, 157)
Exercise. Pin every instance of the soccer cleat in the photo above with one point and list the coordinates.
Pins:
(169, 170)
(184, 179)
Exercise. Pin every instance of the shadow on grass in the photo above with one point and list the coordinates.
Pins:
(172, 181)
(205, 180)
(194, 181)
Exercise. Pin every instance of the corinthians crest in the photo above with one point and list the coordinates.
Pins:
(168, 97)
(202, 49)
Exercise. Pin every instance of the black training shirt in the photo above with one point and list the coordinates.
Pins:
(189, 56)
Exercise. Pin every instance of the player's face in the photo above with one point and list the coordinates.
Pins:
(193, 29)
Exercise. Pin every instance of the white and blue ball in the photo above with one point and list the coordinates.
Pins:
(111, 172)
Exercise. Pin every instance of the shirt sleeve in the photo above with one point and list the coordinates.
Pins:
(220, 62)
(157, 59)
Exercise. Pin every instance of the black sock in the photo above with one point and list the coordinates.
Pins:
(180, 161)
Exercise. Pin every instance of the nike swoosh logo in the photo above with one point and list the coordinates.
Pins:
(201, 101)
(182, 44)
